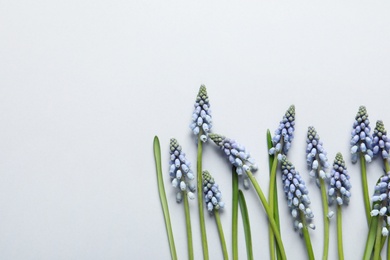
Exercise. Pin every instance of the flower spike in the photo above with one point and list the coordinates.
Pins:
(297, 195)
(201, 118)
(212, 194)
(284, 134)
(381, 201)
(361, 139)
(380, 142)
(180, 171)
(236, 153)
(316, 155)
(339, 182)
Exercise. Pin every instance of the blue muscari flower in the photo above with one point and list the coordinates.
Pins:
(180, 171)
(201, 118)
(339, 185)
(316, 158)
(285, 133)
(212, 194)
(380, 141)
(381, 201)
(297, 195)
(361, 139)
(236, 153)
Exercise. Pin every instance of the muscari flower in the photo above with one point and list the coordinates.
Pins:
(380, 141)
(236, 154)
(201, 118)
(381, 201)
(180, 171)
(316, 155)
(340, 186)
(297, 195)
(212, 194)
(361, 139)
(285, 133)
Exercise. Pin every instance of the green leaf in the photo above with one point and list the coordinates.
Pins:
(163, 198)
(235, 213)
(247, 226)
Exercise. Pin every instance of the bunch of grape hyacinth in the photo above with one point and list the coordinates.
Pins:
(316, 155)
(297, 195)
(382, 201)
(212, 194)
(380, 142)
(201, 118)
(340, 186)
(236, 153)
(361, 139)
(284, 134)
(180, 171)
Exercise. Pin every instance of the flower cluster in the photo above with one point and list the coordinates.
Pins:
(380, 142)
(236, 153)
(381, 201)
(316, 155)
(361, 139)
(180, 171)
(297, 195)
(201, 118)
(339, 182)
(285, 133)
(212, 194)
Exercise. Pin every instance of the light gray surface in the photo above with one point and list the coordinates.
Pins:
(85, 86)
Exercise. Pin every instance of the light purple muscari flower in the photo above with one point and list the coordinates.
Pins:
(297, 195)
(339, 185)
(236, 154)
(201, 118)
(212, 194)
(180, 172)
(380, 141)
(361, 139)
(381, 200)
(284, 134)
(316, 158)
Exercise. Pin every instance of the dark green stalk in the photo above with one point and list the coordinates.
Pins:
(272, 200)
(306, 237)
(188, 226)
(235, 213)
(268, 212)
(200, 200)
(247, 226)
(163, 198)
(340, 233)
(366, 196)
(221, 235)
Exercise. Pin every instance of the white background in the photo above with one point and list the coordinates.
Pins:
(86, 85)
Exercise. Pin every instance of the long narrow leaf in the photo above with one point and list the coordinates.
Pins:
(247, 226)
(163, 198)
(235, 214)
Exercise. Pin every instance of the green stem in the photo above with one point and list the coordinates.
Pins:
(340, 233)
(377, 248)
(326, 219)
(272, 200)
(387, 166)
(370, 238)
(247, 226)
(163, 198)
(268, 212)
(221, 235)
(306, 237)
(366, 196)
(200, 201)
(271, 159)
(188, 226)
(235, 213)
